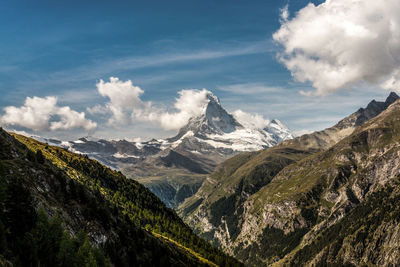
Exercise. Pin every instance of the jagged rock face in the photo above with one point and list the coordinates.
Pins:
(330, 136)
(364, 114)
(214, 120)
(268, 205)
(164, 165)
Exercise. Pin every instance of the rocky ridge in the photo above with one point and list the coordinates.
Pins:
(261, 206)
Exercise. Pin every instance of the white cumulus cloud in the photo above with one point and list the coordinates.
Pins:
(70, 119)
(126, 106)
(340, 43)
(249, 120)
(42, 114)
(190, 103)
(124, 100)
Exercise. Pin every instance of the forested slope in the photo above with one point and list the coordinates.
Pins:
(56, 199)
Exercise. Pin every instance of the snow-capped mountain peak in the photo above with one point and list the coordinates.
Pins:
(217, 119)
(217, 130)
(214, 119)
(278, 124)
(213, 98)
(278, 130)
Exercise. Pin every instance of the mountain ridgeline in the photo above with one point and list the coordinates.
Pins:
(326, 198)
(59, 208)
(174, 168)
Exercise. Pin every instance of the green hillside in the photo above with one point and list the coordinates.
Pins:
(88, 210)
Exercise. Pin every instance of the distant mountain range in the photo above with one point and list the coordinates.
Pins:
(174, 168)
(321, 199)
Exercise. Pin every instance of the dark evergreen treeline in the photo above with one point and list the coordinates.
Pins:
(29, 238)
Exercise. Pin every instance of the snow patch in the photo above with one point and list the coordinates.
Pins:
(124, 156)
(179, 141)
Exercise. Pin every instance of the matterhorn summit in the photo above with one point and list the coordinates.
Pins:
(218, 132)
(213, 120)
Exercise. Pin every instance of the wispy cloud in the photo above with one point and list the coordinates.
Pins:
(250, 88)
(104, 67)
(163, 59)
(81, 96)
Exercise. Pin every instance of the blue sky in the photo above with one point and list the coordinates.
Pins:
(63, 48)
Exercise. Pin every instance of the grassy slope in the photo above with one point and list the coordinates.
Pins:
(299, 178)
(240, 176)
